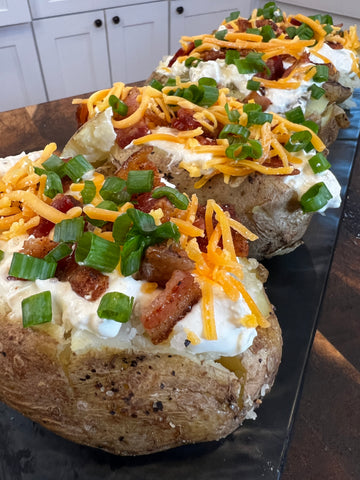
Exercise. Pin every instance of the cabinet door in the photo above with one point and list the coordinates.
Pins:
(21, 81)
(14, 11)
(189, 17)
(138, 39)
(73, 53)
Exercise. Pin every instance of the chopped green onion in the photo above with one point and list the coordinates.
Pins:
(97, 252)
(253, 85)
(319, 163)
(58, 253)
(210, 96)
(55, 164)
(164, 232)
(171, 82)
(323, 19)
(118, 105)
(131, 255)
(322, 73)
(114, 189)
(40, 171)
(304, 32)
(291, 32)
(192, 62)
(197, 43)
(36, 309)
(139, 181)
(233, 115)
(328, 29)
(105, 205)
(231, 56)
(316, 91)
(210, 82)
(221, 34)
(315, 198)
(254, 31)
(88, 192)
(312, 125)
(178, 199)
(69, 230)
(238, 151)
(234, 133)
(156, 84)
(143, 222)
(2, 253)
(267, 33)
(76, 167)
(270, 11)
(296, 115)
(259, 118)
(251, 107)
(115, 306)
(233, 16)
(53, 184)
(31, 268)
(243, 66)
(121, 228)
(298, 141)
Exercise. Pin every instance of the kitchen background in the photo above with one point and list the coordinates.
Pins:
(50, 49)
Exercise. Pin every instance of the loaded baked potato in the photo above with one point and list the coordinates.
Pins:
(184, 346)
(268, 58)
(272, 169)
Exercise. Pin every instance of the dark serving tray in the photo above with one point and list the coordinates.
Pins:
(257, 450)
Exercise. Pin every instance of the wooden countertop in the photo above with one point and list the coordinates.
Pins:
(325, 443)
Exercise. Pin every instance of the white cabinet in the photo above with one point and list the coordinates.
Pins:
(73, 53)
(13, 12)
(138, 39)
(83, 52)
(190, 17)
(21, 80)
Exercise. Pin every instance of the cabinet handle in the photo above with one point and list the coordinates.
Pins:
(180, 10)
(98, 23)
(116, 20)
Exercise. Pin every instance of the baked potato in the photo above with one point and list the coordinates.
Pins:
(125, 385)
(195, 147)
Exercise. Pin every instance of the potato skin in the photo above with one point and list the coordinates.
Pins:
(129, 402)
(263, 203)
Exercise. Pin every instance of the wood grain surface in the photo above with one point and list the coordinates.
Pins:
(325, 443)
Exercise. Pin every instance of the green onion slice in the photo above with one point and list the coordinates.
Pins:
(298, 141)
(97, 252)
(113, 189)
(121, 228)
(58, 253)
(296, 115)
(118, 105)
(322, 73)
(251, 107)
(131, 255)
(88, 192)
(304, 32)
(178, 199)
(156, 84)
(235, 133)
(2, 253)
(76, 168)
(53, 184)
(315, 198)
(116, 306)
(139, 181)
(55, 164)
(69, 230)
(221, 34)
(231, 56)
(105, 205)
(259, 118)
(233, 115)
(198, 42)
(31, 268)
(192, 62)
(319, 163)
(316, 91)
(267, 33)
(36, 309)
(233, 16)
(312, 125)
(253, 85)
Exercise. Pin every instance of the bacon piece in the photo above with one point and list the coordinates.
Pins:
(185, 120)
(181, 52)
(241, 244)
(276, 67)
(212, 55)
(181, 293)
(82, 114)
(243, 24)
(261, 100)
(61, 202)
(276, 162)
(124, 136)
(38, 247)
(335, 45)
(85, 281)
(160, 261)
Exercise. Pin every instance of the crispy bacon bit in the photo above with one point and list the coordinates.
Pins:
(276, 162)
(240, 243)
(181, 293)
(124, 136)
(206, 140)
(212, 55)
(267, 21)
(38, 247)
(261, 100)
(140, 160)
(185, 120)
(146, 203)
(243, 24)
(85, 281)
(160, 262)
(275, 65)
(82, 114)
(181, 52)
(335, 45)
(61, 202)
